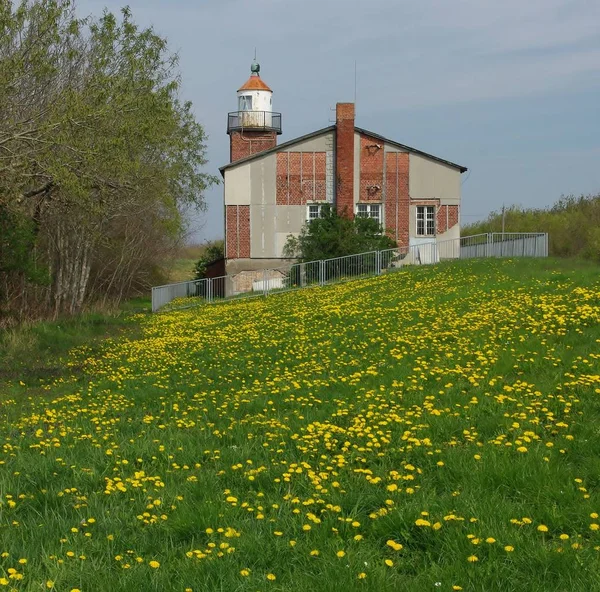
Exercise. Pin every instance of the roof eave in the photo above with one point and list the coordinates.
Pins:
(290, 143)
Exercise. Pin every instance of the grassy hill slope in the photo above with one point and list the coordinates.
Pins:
(431, 429)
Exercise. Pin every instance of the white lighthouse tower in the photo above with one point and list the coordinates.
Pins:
(254, 127)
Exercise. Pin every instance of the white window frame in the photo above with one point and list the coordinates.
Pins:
(425, 215)
(369, 210)
(317, 211)
(245, 103)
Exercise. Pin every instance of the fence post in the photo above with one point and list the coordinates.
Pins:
(265, 290)
(377, 262)
(321, 272)
(209, 290)
(488, 250)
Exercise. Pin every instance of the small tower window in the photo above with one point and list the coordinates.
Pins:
(245, 103)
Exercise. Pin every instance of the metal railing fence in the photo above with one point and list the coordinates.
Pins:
(265, 120)
(296, 276)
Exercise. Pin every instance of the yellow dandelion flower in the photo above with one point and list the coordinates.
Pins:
(394, 545)
(154, 564)
(472, 558)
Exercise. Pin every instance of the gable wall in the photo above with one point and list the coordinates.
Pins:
(264, 185)
(277, 188)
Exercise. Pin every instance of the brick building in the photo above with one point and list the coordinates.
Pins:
(271, 190)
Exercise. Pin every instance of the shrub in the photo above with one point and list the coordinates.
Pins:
(572, 224)
(213, 252)
(334, 235)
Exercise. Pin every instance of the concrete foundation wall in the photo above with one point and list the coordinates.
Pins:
(235, 266)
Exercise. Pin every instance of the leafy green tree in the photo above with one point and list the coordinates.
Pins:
(335, 235)
(97, 150)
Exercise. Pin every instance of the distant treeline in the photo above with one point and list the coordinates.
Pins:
(573, 225)
(99, 158)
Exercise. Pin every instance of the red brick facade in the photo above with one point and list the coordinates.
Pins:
(237, 232)
(344, 166)
(446, 217)
(371, 170)
(247, 142)
(301, 178)
(397, 200)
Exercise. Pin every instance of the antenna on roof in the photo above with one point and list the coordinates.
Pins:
(354, 86)
(255, 54)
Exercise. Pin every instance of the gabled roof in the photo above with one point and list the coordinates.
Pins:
(255, 82)
(324, 130)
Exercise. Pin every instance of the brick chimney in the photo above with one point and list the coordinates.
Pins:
(344, 158)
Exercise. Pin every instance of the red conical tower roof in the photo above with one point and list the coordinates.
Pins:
(255, 82)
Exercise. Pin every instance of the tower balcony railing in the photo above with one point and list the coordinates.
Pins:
(254, 120)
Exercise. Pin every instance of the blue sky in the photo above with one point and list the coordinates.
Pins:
(509, 89)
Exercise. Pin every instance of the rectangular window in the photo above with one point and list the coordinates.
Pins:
(369, 211)
(314, 211)
(245, 103)
(425, 220)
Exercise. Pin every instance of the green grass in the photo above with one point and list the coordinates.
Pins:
(405, 419)
(181, 267)
(34, 352)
